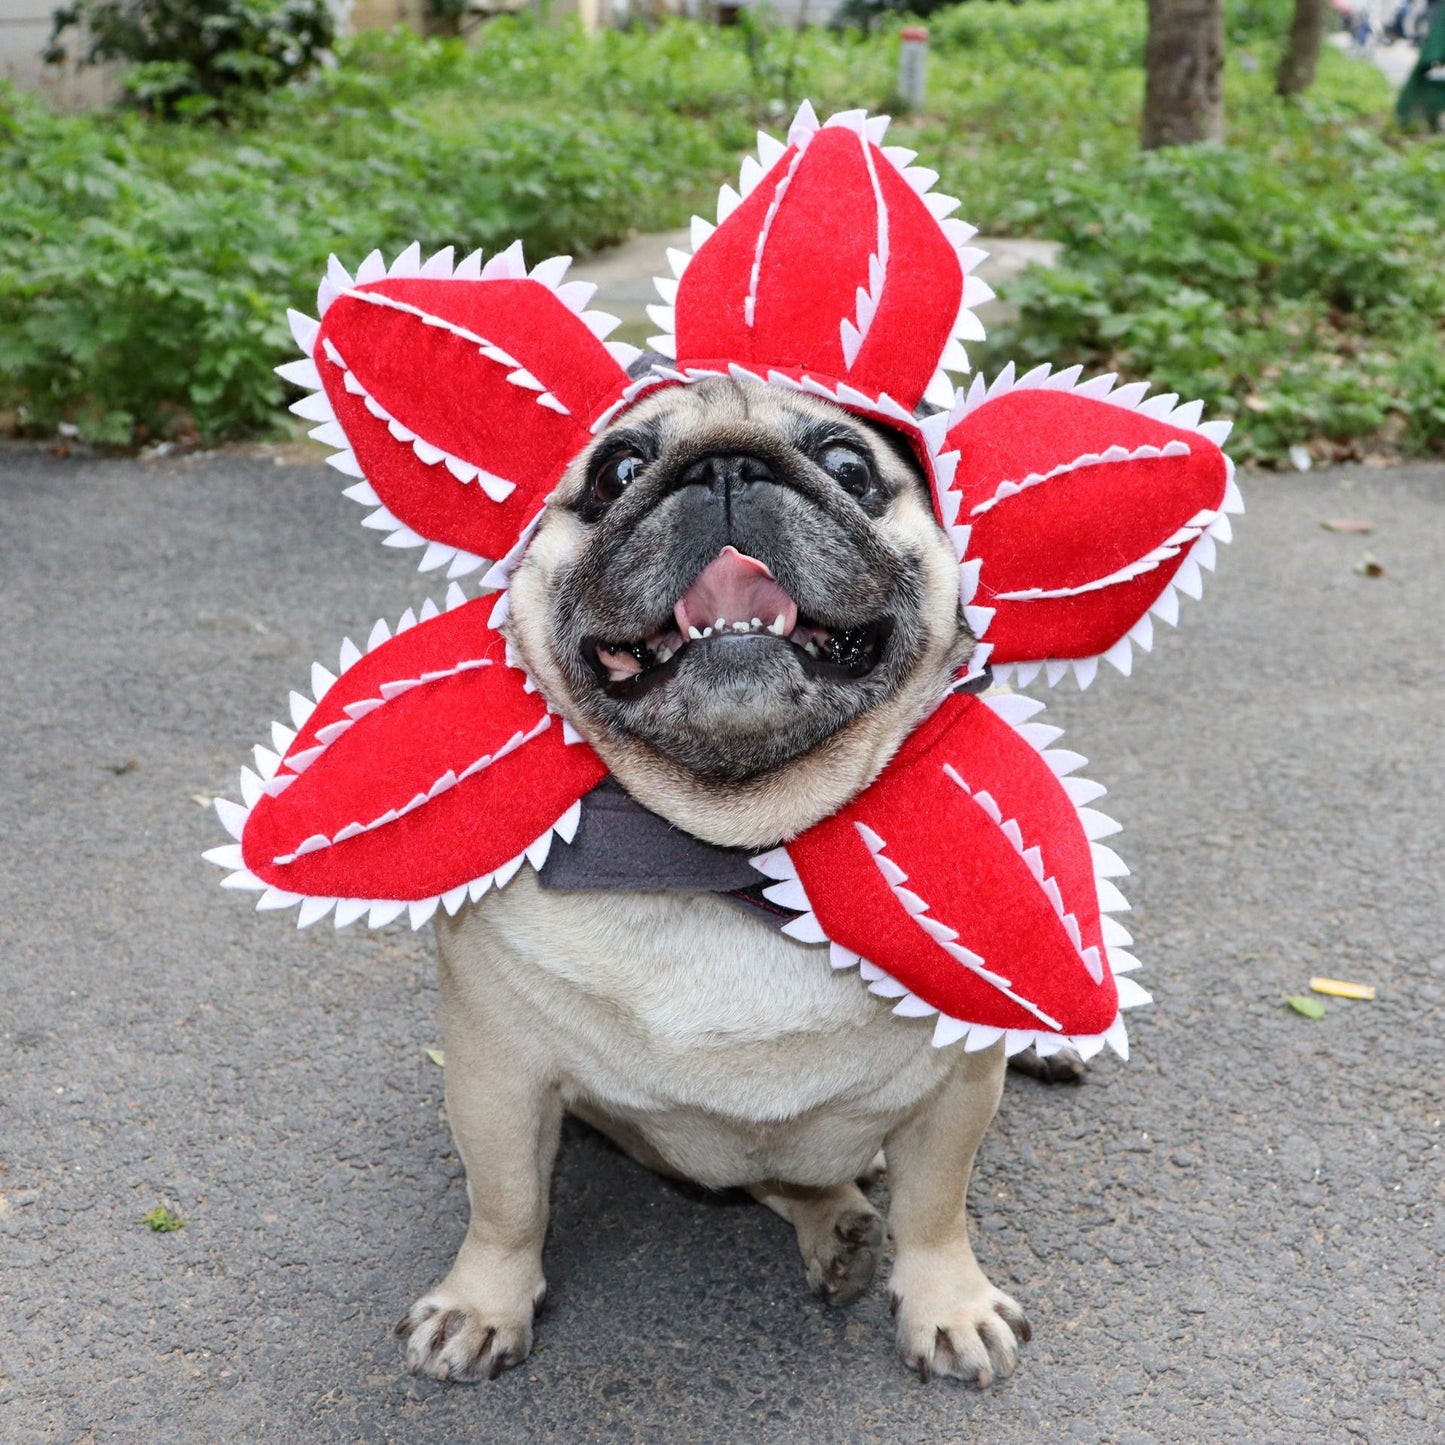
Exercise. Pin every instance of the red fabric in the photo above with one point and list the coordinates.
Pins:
(815, 257)
(402, 748)
(441, 387)
(1080, 526)
(963, 866)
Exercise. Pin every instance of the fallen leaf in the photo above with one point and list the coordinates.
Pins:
(1301, 1003)
(201, 800)
(1339, 988)
(163, 1220)
(437, 1057)
(120, 769)
(1355, 526)
(1368, 567)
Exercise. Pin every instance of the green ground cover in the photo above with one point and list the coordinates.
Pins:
(1294, 279)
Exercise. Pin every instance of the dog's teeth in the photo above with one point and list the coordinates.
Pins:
(664, 654)
(811, 648)
(720, 625)
(756, 624)
(695, 635)
(741, 627)
(780, 626)
(707, 632)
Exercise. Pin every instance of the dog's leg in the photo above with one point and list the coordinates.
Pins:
(506, 1119)
(839, 1233)
(951, 1320)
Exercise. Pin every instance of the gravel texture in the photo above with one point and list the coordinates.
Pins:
(1235, 1237)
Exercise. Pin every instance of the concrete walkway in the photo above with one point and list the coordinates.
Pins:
(623, 275)
(1235, 1237)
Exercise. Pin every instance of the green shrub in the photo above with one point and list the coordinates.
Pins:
(198, 58)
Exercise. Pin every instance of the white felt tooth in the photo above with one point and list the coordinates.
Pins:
(1121, 961)
(1051, 891)
(1142, 633)
(299, 762)
(920, 178)
(728, 200)
(362, 492)
(866, 308)
(274, 898)
(538, 849)
(663, 316)
(939, 932)
(1071, 927)
(940, 206)
(788, 894)
(1186, 416)
(313, 910)
(1034, 859)
(566, 826)
(900, 156)
(1159, 407)
(890, 870)
(349, 655)
(770, 150)
(384, 911)
(321, 681)
(1083, 790)
(453, 901)
(1188, 579)
(1046, 1046)
(267, 762)
(986, 801)
(380, 633)
(1117, 1038)
(887, 987)
(749, 175)
(345, 463)
(371, 269)
(954, 357)
(477, 888)
(1121, 655)
(1166, 606)
(677, 261)
(406, 621)
(1011, 830)
(426, 452)
(1039, 735)
(1015, 1041)
(1204, 553)
(806, 929)
(348, 910)
(664, 346)
(244, 880)
(847, 120)
(775, 864)
(910, 1006)
(437, 554)
(469, 268)
(228, 855)
(911, 902)
(840, 957)
(1130, 394)
(551, 271)
(1097, 824)
(301, 708)
(700, 231)
(1130, 994)
(330, 434)
(515, 260)
(948, 1031)
(1215, 431)
(1063, 762)
(576, 296)
(316, 407)
(338, 275)
(1027, 672)
(1107, 863)
(464, 472)
(852, 340)
(304, 330)
(667, 289)
(940, 391)
(351, 830)
(968, 579)
(1220, 529)
(408, 263)
(301, 373)
(1114, 933)
(1087, 1045)
(805, 123)
(1056, 668)
(871, 840)
(1110, 899)
(420, 911)
(1097, 387)
(455, 597)
(959, 233)
(251, 788)
(869, 972)
(1014, 708)
(282, 737)
(465, 563)
(1085, 670)
(570, 734)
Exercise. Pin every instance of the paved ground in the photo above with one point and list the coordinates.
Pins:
(1235, 1237)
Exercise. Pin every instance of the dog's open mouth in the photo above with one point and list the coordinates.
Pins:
(736, 600)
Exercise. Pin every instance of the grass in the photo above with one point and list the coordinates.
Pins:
(1295, 279)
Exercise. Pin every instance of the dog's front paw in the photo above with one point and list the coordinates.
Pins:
(970, 1334)
(449, 1338)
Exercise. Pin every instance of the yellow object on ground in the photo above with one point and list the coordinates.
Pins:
(1337, 988)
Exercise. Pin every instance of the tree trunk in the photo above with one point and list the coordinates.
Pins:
(1183, 65)
(1297, 65)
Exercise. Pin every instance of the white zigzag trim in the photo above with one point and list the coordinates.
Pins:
(870, 130)
(1089, 459)
(1213, 527)
(788, 892)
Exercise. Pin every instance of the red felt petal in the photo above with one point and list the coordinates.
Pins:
(779, 280)
(499, 375)
(411, 745)
(1053, 510)
(965, 867)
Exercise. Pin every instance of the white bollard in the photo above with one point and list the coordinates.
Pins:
(912, 63)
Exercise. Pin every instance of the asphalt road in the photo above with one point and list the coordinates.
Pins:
(1235, 1237)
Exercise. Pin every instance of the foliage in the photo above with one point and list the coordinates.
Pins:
(197, 58)
(1293, 279)
(163, 1219)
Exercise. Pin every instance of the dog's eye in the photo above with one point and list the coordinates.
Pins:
(613, 476)
(848, 468)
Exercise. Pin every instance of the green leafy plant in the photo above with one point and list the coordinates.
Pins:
(197, 58)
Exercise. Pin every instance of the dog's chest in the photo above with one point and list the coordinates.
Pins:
(668, 1009)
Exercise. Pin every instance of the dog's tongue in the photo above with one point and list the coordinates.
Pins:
(736, 588)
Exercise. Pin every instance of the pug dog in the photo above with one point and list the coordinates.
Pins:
(741, 597)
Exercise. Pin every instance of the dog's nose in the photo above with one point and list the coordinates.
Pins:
(724, 473)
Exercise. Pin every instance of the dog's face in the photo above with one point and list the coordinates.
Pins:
(742, 597)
